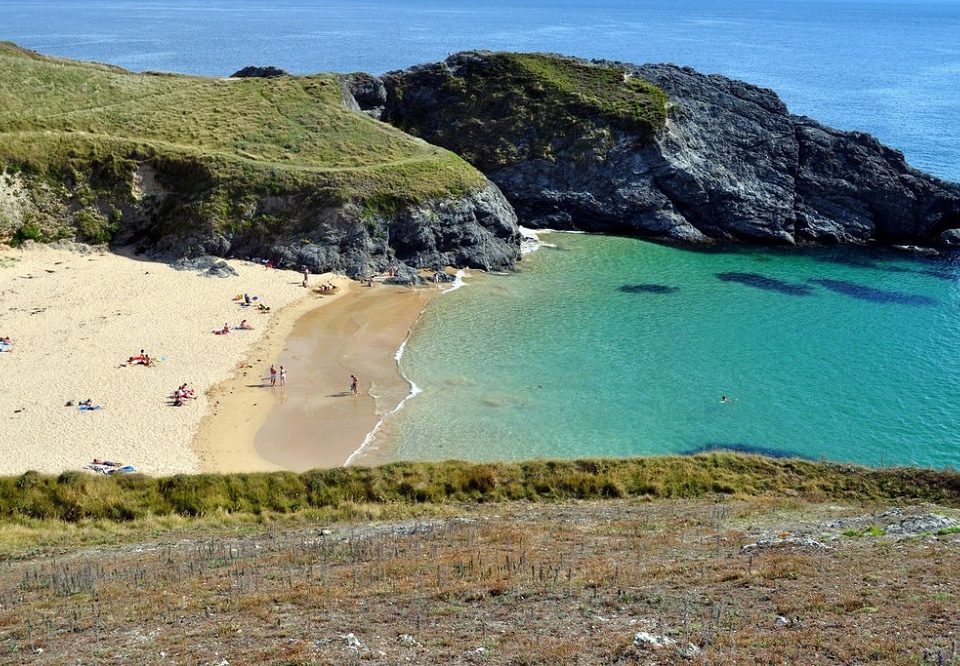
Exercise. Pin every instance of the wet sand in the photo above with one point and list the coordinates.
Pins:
(239, 406)
(314, 421)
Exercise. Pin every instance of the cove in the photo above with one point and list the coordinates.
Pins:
(610, 346)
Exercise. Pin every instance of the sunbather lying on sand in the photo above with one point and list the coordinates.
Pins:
(88, 406)
(224, 330)
(245, 326)
(109, 467)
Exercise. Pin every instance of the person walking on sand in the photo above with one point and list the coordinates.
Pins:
(273, 376)
(283, 376)
(306, 275)
(354, 384)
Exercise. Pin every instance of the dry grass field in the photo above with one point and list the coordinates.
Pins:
(712, 580)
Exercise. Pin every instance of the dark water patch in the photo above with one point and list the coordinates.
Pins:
(648, 289)
(873, 294)
(740, 447)
(766, 283)
(873, 259)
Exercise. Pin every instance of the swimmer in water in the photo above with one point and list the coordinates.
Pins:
(724, 399)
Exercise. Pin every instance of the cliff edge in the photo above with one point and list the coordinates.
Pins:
(725, 160)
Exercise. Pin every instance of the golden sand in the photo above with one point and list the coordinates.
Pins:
(76, 318)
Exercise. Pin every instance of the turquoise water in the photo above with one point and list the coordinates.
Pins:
(607, 346)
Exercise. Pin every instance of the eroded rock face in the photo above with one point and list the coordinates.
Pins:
(732, 163)
(477, 230)
(364, 92)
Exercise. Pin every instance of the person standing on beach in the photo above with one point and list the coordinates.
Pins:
(354, 384)
(283, 376)
(306, 275)
(273, 376)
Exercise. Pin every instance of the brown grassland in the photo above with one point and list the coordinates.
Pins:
(771, 576)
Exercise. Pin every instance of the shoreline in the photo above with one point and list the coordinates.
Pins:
(314, 421)
(238, 408)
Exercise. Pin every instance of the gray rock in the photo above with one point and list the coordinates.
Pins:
(352, 642)
(221, 269)
(922, 524)
(475, 230)
(404, 275)
(207, 265)
(363, 92)
(732, 164)
(950, 237)
(652, 640)
(786, 542)
(252, 71)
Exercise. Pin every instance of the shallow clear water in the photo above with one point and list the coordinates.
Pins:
(607, 346)
(888, 67)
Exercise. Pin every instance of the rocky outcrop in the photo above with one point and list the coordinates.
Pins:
(731, 163)
(252, 71)
(364, 92)
(477, 230)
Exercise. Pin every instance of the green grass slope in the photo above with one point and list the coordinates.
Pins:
(497, 109)
(81, 129)
(78, 496)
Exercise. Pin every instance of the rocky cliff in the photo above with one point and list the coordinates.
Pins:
(260, 166)
(728, 162)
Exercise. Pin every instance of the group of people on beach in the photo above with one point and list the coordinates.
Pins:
(246, 300)
(182, 394)
(281, 376)
(244, 325)
(143, 358)
(85, 405)
(275, 374)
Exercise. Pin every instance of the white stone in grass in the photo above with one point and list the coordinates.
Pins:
(652, 640)
(352, 642)
(689, 652)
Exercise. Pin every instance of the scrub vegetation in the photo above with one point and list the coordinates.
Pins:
(497, 109)
(77, 496)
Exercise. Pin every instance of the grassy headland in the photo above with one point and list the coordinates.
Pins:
(497, 109)
(74, 134)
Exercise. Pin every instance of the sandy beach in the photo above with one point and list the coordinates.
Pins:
(75, 317)
(314, 421)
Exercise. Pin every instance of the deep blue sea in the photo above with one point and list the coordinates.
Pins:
(614, 346)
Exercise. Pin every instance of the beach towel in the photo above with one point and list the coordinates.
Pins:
(106, 468)
(5, 347)
(89, 408)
